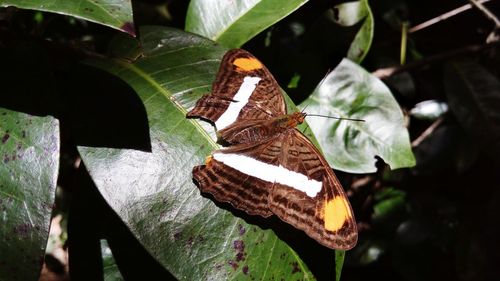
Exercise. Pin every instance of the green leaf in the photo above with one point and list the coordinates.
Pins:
(29, 151)
(339, 263)
(350, 91)
(113, 13)
(351, 13)
(232, 23)
(153, 192)
(388, 202)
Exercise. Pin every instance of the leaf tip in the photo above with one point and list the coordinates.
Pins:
(129, 28)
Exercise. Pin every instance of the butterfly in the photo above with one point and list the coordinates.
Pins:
(269, 167)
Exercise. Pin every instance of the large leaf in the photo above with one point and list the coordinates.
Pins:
(153, 191)
(113, 13)
(350, 91)
(351, 13)
(232, 23)
(474, 97)
(29, 151)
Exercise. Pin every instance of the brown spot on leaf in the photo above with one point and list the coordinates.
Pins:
(23, 230)
(239, 246)
(241, 229)
(233, 264)
(295, 268)
(5, 137)
(177, 235)
(190, 242)
(240, 256)
(245, 269)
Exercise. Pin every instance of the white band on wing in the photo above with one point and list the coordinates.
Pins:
(240, 100)
(270, 173)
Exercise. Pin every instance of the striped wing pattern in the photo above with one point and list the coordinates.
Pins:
(306, 213)
(267, 101)
(270, 167)
(255, 196)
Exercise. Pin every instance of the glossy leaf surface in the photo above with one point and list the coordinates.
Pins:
(352, 13)
(113, 13)
(29, 153)
(349, 91)
(232, 23)
(153, 191)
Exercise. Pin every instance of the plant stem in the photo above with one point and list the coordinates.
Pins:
(443, 16)
(427, 132)
(486, 12)
(384, 73)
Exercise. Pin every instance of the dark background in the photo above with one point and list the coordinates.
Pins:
(436, 221)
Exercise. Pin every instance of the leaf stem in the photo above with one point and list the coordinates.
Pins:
(404, 40)
(384, 73)
(486, 12)
(427, 132)
(444, 16)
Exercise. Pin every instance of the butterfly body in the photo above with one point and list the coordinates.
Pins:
(269, 167)
(257, 130)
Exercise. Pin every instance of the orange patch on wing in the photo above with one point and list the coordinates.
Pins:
(247, 64)
(336, 212)
(208, 160)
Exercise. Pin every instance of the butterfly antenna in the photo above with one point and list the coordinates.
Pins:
(304, 109)
(338, 118)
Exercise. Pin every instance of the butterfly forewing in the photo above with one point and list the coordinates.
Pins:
(243, 90)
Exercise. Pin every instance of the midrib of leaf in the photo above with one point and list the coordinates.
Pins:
(168, 95)
(269, 259)
(360, 128)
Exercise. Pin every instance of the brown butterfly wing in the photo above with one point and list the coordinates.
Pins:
(327, 217)
(265, 102)
(229, 185)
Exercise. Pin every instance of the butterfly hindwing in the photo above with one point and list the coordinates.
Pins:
(325, 216)
(301, 188)
(229, 185)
